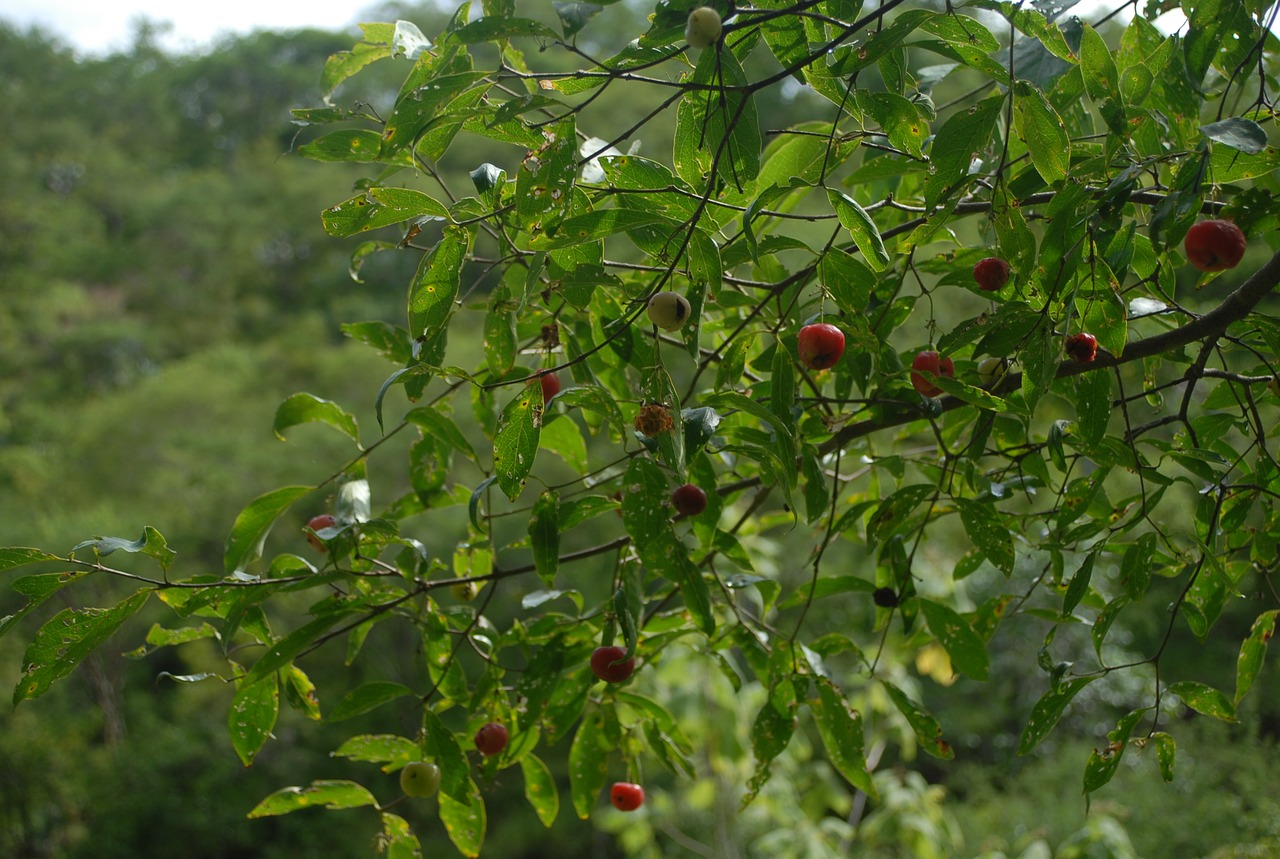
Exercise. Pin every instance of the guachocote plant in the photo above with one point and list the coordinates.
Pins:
(670, 284)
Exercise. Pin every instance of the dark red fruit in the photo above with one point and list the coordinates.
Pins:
(626, 796)
(930, 362)
(885, 597)
(550, 384)
(1214, 245)
(319, 523)
(491, 739)
(689, 499)
(1082, 347)
(607, 664)
(991, 274)
(820, 345)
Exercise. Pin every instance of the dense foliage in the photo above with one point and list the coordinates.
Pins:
(817, 163)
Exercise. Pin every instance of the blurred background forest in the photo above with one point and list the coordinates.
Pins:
(166, 283)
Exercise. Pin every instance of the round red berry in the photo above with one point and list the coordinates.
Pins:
(626, 796)
(491, 739)
(820, 345)
(319, 523)
(1214, 245)
(930, 361)
(991, 274)
(689, 500)
(1082, 347)
(550, 384)
(608, 664)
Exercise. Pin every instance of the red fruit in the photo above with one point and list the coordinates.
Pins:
(689, 499)
(626, 796)
(1214, 245)
(1082, 347)
(930, 362)
(491, 739)
(820, 345)
(991, 274)
(319, 523)
(550, 384)
(607, 664)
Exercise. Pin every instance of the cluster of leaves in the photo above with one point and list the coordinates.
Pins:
(1081, 488)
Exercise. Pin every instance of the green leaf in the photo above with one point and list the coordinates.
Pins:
(422, 110)
(588, 762)
(17, 556)
(465, 821)
(1101, 765)
(244, 544)
(355, 145)
(927, 730)
(516, 444)
(308, 408)
(540, 789)
(985, 528)
(398, 840)
(66, 639)
(37, 589)
(895, 511)
(1242, 135)
(1037, 123)
(865, 234)
(321, 794)
(1254, 648)
(435, 287)
(455, 777)
(1048, 710)
(600, 224)
(493, 29)
(151, 543)
(1166, 753)
(544, 533)
(966, 648)
(1093, 406)
(381, 749)
(1135, 568)
(963, 134)
(841, 731)
(283, 651)
(545, 180)
(770, 734)
(1079, 584)
(367, 697)
(379, 207)
(1204, 699)
(252, 716)
(718, 129)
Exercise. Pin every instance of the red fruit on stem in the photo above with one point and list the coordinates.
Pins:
(820, 345)
(930, 361)
(608, 664)
(1082, 347)
(991, 274)
(1214, 245)
(626, 796)
(319, 523)
(491, 739)
(689, 499)
(550, 384)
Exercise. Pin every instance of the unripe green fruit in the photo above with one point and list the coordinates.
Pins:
(669, 310)
(465, 591)
(420, 778)
(990, 371)
(702, 30)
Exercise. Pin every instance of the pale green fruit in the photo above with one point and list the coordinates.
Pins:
(702, 30)
(465, 591)
(990, 371)
(669, 310)
(420, 778)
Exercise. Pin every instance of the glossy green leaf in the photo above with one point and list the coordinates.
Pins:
(1102, 763)
(1252, 651)
(544, 533)
(398, 840)
(377, 208)
(588, 763)
(366, 697)
(927, 729)
(1039, 125)
(308, 408)
(67, 638)
(770, 734)
(516, 444)
(17, 556)
(435, 287)
(1166, 753)
(718, 130)
(988, 532)
(966, 648)
(1204, 699)
(866, 235)
(540, 789)
(841, 729)
(544, 182)
(253, 714)
(283, 651)
(1048, 710)
(387, 749)
(320, 794)
(465, 820)
(244, 544)
(961, 135)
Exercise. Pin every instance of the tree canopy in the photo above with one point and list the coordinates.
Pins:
(856, 363)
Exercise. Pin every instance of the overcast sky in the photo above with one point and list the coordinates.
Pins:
(99, 26)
